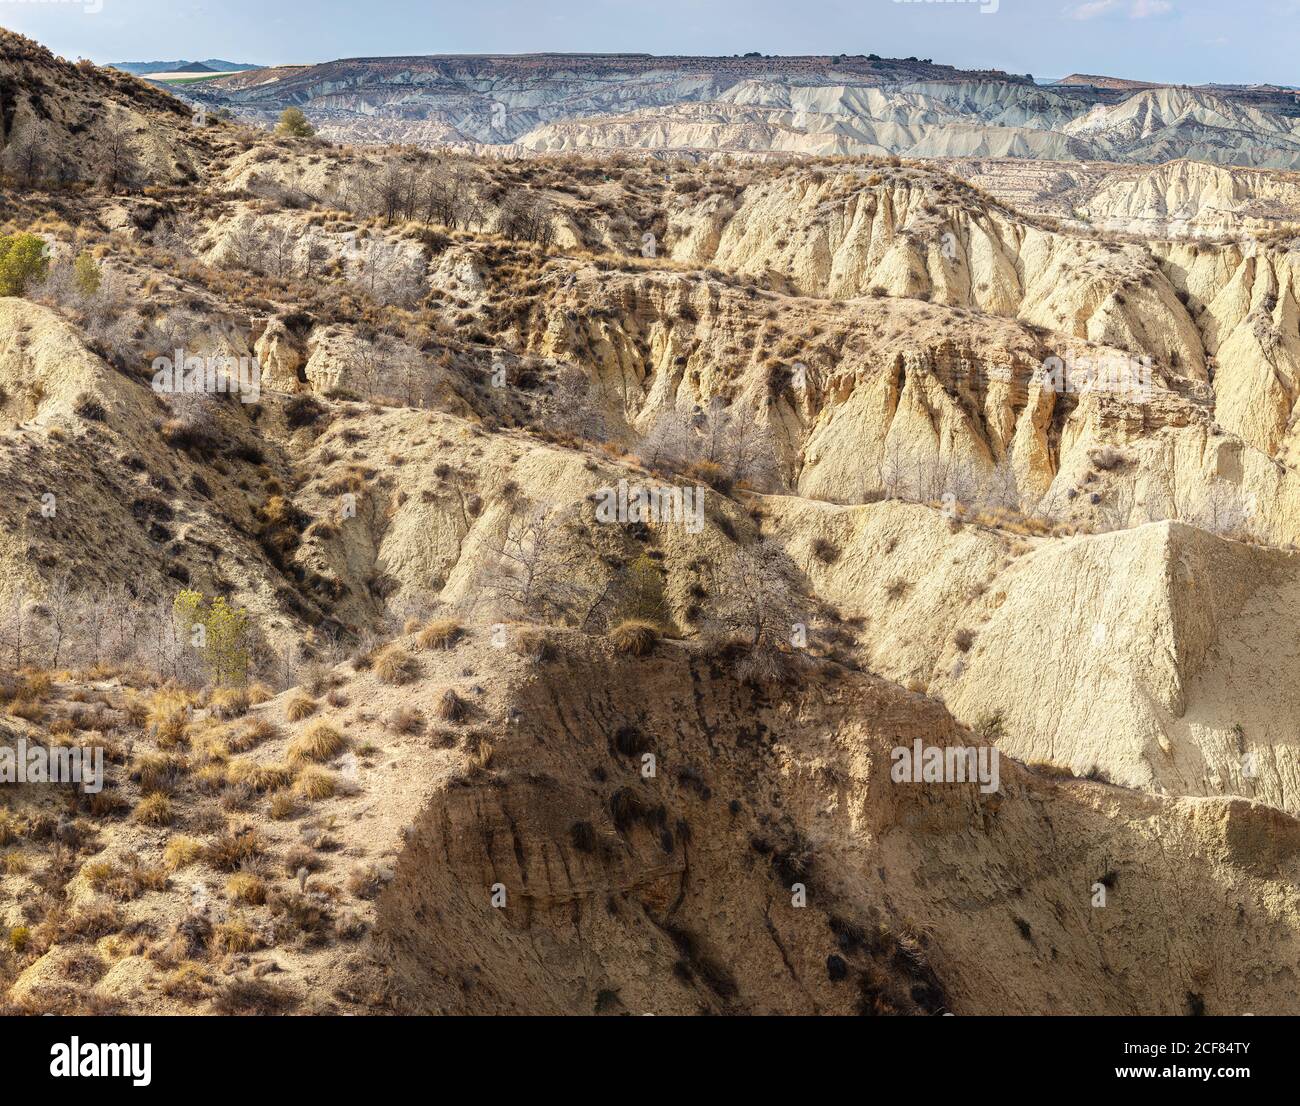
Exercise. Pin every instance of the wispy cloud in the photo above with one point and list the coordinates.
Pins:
(1132, 9)
(1092, 9)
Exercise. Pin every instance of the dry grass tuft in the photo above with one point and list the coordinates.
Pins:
(365, 881)
(634, 637)
(126, 881)
(255, 996)
(300, 707)
(407, 720)
(182, 851)
(235, 935)
(394, 665)
(451, 707)
(190, 982)
(259, 777)
(533, 645)
(154, 809)
(283, 806)
(230, 702)
(168, 716)
(443, 633)
(315, 784)
(233, 850)
(158, 771)
(244, 887)
(27, 709)
(211, 778)
(318, 742)
(259, 693)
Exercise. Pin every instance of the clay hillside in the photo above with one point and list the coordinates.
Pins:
(404, 709)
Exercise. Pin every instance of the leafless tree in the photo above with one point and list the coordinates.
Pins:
(748, 450)
(576, 405)
(173, 657)
(365, 368)
(728, 437)
(62, 606)
(409, 372)
(527, 217)
(755, 604)
(384, 274)
(536, 570)
(16, 629)
(121, 166)
(1223, 510)
(393, 192)
(1002, 488)
(433, 195)
(445, 195)
(961, 483)
(125, 619)
(26, 154)
(934, 478)
(279, 252)
(668, 441)
(246, 249)
(176, 235)
(317, 253)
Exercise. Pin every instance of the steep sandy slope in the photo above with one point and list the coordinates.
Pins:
(624, 892)
(853, 398)
(1176, 199)
(1160, 124)
(77, 122)
(913, 859)
(114, 485)
(431, 531)
(1165, 649)
(1154, 656)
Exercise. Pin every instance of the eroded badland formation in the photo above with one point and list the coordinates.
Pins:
(406, 708)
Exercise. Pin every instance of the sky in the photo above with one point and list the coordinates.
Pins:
(1177, 41)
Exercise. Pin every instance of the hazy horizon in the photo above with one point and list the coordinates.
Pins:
(1173, 41)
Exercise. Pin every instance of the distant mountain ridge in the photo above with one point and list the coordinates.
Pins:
(1095, 81)
(212, 65)
(819, 105)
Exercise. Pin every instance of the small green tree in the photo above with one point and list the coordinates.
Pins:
(23, 262)
(187, 608)
(86, 274)
(218, 631)
(294, 123)
(227, 642)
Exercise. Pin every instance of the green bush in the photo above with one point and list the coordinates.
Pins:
(85, 274)
(23, 262)
(294, 123)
